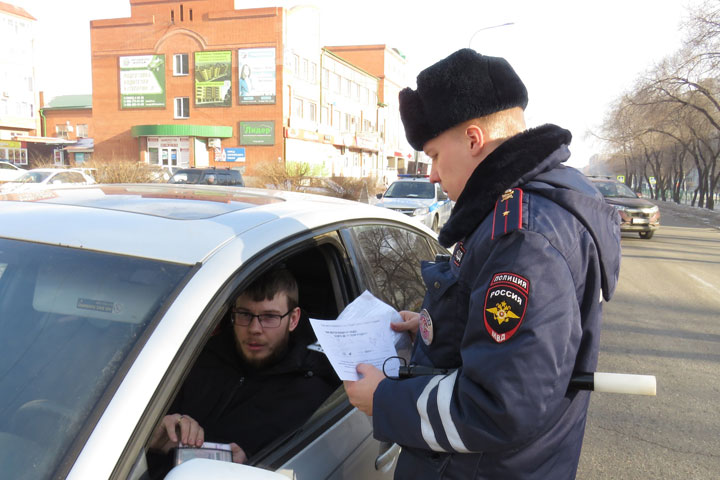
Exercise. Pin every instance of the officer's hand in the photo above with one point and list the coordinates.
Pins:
(409, 324)
(238, 454)
(360, 393)
(165, 436)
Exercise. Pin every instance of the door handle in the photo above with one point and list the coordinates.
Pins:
(388, 453)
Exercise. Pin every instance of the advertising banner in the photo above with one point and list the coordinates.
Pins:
(142, 81)
(213, 79)
(257, 133)
(233, 155)
(256, 71)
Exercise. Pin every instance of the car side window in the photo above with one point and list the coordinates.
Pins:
(389, 259)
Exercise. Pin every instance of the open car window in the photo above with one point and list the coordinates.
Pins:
(325, 286)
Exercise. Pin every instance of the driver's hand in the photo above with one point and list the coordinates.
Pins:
(238, 454)
(175, 429)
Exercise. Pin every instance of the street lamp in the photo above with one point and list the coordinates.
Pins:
(487, 28)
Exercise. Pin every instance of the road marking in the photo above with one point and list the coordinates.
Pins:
(709, 285)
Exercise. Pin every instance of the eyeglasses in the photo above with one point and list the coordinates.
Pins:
(267, 320)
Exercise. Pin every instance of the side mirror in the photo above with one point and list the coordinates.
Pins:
(217, 470)
(379, 195)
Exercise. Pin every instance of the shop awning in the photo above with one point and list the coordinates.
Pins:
(83, 145)
(205, 131)
(43, 140)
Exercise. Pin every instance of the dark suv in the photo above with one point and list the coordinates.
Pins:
(636, 214)
(208, 176)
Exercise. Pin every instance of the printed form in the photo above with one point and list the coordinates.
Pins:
(362, 334)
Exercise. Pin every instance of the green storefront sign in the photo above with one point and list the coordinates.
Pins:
(142, 81)
(257, 133)
(213, 79)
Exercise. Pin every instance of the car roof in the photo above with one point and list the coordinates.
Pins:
(422, 178)
(175, 223)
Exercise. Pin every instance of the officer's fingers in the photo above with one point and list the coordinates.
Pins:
(406, 326)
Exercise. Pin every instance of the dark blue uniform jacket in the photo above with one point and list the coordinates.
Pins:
(515, 311)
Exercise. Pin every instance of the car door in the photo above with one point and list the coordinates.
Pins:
(336, 441)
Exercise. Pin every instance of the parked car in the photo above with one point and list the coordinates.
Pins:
(208, 176)
(109, 292)
(9, 172)
(41, 178)
(416, 197)
(636, 214)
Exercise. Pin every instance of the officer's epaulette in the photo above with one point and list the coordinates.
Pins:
(507, 215)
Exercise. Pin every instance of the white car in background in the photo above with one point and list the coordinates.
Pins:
(41, 178)
(9, 172)
(416, 197)
(108, 294)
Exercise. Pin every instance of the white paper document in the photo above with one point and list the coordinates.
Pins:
(362, 334)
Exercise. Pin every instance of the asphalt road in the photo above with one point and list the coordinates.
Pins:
(665, 321)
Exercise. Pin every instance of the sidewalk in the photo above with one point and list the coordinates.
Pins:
(710, 217)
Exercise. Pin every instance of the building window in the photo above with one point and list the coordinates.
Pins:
(346, 87)
(335, 82)
(296, 64)
(311, 111)
(180, 64)
(62, 131)
(182, 107)
(313, 72)
(336, 119)
(82, 130)
(325, 77)
(324, 116)
(304, 73)
(297, 107)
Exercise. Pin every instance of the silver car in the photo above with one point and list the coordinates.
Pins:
(416, 197)
(109, 292)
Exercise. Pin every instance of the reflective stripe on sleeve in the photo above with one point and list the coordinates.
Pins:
(422, 403)
(444, 398)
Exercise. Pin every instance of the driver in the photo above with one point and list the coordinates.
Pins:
(254, 381)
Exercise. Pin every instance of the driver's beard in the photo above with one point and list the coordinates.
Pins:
(272, 359)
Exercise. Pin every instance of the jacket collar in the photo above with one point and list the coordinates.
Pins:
(513, 163)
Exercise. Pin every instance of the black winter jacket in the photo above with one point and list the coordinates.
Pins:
(235, 403)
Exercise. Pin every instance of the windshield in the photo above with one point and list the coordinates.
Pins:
(615, 190)
(411, 190)
(68, 320)
(186, 177)
(33, 177)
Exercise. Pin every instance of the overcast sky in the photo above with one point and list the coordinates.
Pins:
(575, 56)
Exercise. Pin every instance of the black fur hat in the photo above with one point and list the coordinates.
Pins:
(462, 86)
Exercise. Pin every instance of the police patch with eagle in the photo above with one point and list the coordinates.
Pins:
(505, 305)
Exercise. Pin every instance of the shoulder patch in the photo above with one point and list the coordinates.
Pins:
(505, 305)
(507, 215)
(459, 253)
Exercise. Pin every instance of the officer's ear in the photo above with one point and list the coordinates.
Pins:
(476, 138)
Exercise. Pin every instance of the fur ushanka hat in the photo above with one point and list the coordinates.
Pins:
(462, 86)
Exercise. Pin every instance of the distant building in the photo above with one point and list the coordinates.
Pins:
(389, 65)
(70, 117)
(200, 83)
(18, 95)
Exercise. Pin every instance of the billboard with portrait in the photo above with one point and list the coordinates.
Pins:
(213, 79)
(256, 74)
(142, 81)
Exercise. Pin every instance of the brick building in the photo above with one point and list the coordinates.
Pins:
(198, 83)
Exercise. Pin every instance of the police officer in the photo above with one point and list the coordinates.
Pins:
(517, 308)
